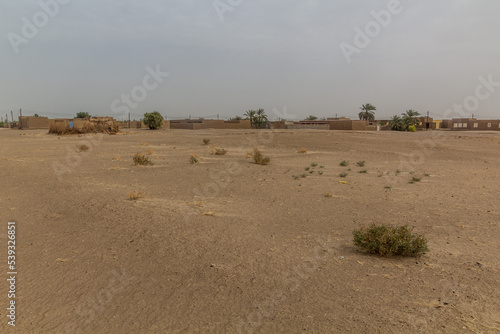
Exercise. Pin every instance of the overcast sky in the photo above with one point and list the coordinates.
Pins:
(285, 56)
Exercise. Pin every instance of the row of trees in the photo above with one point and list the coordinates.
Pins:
(405, 122)
(256, 117)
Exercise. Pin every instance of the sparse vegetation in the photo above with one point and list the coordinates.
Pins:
(82, 148)
(219, 151)
(145, 143)
(364, 171)
(116, 157)
(388, 187)
(307, 168)
(416, 179)
(141, 160)
(427, 174)
(320, 172)
(328, 195)
(303, 150)
(344, 163)
(133, 196)
(390, 240)
(259, 159)
(360, 163)
(343, 174)
(398, 171)
(206, 141)
(314, 164)
(193, 159)
(150, 151)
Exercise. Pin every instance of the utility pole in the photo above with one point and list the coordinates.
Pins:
(129, 120)
(12, 118)
(217, 116)
(20, 119)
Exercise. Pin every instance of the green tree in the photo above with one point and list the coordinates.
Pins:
(237, 118)
(260, 118)
(396, 123)
(311, 118)
(153, 120)
(1, 124)
(367, 112)
(250, 115)
(410, 118)
(83, 114)
(36, 115)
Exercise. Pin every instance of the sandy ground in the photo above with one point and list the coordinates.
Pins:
(227, 246)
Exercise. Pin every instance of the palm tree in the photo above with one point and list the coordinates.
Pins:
(260, 118)
(367, 112)
(396, 123)
(250, 115)
(410, 118)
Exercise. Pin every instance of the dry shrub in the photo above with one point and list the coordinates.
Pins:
(142, 160)
(303, 150)
(328, 195)
(117, 158)
(219, 151)
(135, 195)
(206, 141)
(82, 148)
(387, 240)
(145, 143)
(150, 151)
(193, 159)
(259, 159)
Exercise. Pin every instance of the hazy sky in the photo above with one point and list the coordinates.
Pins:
(227, 56)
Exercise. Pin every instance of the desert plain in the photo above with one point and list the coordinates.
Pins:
(228, 246)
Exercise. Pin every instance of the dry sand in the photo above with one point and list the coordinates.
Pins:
(227, 246)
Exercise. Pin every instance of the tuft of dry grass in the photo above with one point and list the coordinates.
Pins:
(141, 160)
(135, 195)
(82, 148)
(193, 159)
(150, 151)
(219, 151)
(144, 143)
(249, 154)
(117, 158)
(328, 195)
(258, 158)
(206, 141)
(302, 150)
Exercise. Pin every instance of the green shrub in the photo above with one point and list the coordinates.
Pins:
(343, 174)
(153, 120)
(259, 159)
(360, 163)
(388, 240)
(364, 171)
(142, 160)
(412, 128)
(1, 124)
(344, 163)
